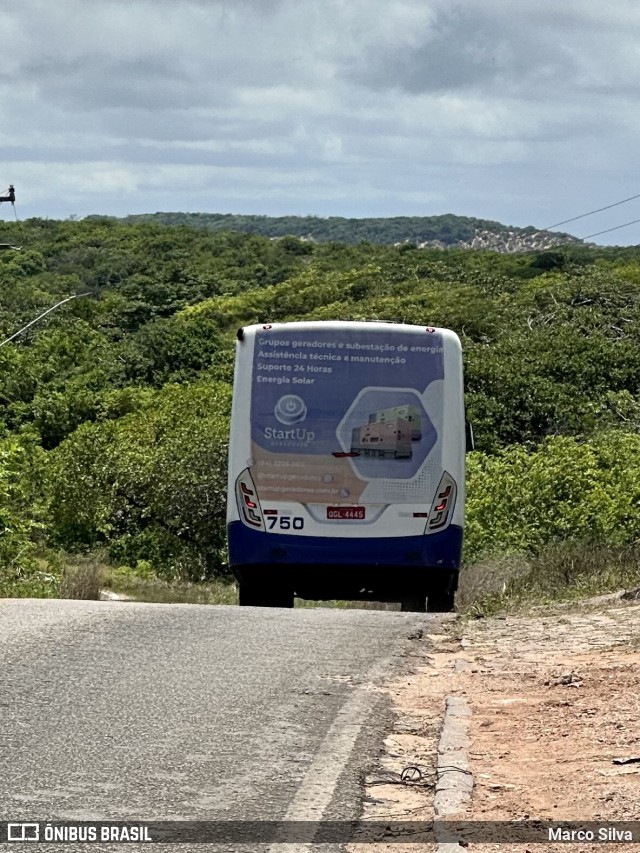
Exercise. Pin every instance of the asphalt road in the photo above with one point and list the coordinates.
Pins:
(129, 711)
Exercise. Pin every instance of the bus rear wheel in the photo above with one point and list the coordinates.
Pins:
(415, 602)
(440, 602)
(254, 594)
(441, 594)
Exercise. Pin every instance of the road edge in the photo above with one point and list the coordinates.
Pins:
(454, 780)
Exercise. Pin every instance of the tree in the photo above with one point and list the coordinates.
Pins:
(151, 485)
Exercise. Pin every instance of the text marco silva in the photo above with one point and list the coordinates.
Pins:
(603, 833)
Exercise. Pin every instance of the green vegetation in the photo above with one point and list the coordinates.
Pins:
(114, 417)
(151, 484)
(568, 488)
(448, 229)
(141, 583)
(564, 571)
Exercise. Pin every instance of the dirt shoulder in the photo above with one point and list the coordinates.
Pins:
(555, 699)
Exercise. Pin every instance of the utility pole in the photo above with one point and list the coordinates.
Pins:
(10, 195)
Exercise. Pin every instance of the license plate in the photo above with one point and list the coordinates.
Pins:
(337, 513)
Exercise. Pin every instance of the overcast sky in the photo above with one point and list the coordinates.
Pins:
(522, 112)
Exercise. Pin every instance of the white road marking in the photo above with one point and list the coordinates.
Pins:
(319, 783)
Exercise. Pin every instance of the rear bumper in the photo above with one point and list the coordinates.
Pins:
(353, 569)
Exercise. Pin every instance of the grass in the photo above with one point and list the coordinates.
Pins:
(37, 579)
(81, 578)
(142, 585)
(488, 579)
(146, 586)
(346, 605)
(562, 571)
(54, 575)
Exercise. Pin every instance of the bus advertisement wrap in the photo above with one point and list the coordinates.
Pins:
(345, 419)
(346, 463)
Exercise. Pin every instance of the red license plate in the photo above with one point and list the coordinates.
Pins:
(345, 512)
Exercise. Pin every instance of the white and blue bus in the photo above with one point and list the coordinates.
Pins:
(347, 464)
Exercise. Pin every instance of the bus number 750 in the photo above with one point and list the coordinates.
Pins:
(284, 522)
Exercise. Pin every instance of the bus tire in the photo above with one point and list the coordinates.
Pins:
(282, 598)
(415, 602)
(249, 594)
(252, 594)
(440, 602)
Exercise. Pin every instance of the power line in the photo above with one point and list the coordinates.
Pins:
(607, 230)
(583, 216)
(44, 314)
(591, 212)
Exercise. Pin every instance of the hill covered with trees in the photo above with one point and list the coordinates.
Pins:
(113, 428)
(425, 231)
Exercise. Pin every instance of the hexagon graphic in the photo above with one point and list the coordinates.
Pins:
(389, 433)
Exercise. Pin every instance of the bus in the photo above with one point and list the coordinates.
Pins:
(347, 464)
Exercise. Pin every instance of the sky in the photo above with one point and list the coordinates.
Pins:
(525, 113)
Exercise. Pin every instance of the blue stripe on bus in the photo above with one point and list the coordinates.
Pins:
(246, 547)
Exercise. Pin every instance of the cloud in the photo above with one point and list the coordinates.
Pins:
(335, 106)
(459, 50)
(493, 47)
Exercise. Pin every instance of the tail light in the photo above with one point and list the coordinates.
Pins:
(248, 503)
(443, 504)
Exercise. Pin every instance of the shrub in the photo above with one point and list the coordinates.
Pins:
(21, 470)
(81, 579)
(151, 486)
(519, 500)
(560, 570)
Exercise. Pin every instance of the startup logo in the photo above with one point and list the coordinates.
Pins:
(290, 409)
